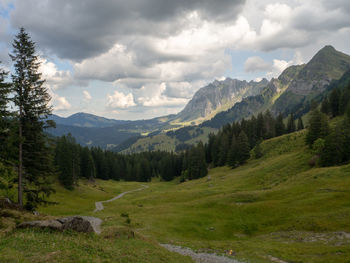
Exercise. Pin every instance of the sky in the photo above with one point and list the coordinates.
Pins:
(140, 59)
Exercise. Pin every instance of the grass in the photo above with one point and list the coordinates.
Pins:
(273, 207)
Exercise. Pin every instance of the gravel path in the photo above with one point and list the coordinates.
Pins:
(99, 205)
(199, 257)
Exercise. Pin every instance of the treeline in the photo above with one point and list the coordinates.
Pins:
(331, 145)
(232, 144)
(74, 161)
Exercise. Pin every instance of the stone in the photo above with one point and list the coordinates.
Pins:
(86, 224)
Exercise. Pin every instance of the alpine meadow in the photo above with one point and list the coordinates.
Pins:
(175, 131)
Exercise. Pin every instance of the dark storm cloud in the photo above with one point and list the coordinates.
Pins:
(82, 29)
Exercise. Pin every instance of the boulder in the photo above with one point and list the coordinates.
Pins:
(85, 224)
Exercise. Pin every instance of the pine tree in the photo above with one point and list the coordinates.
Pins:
(332, 153)
(325, 107)
(242, 148)
(4, 113)
(300, 124)
(35, 164)
(257, 151)
(344, 101)
(291, 124)
(318, 127)
(232, 153)
(269, 124)
(197, 166)
(88, 169)
(279, 127)
(334, 102)
(223, 149)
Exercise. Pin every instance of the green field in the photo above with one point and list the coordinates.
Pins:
(274, 208)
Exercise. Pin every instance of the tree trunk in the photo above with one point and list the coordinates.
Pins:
(20, 164)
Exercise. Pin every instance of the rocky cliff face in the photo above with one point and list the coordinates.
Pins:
(218, 96)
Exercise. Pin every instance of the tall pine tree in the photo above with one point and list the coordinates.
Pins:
(243, 150)
(318, 127)
(35, 156)
(291, 124)
(4, 113)
(300, 124)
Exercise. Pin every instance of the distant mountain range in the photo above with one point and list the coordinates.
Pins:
(86, 120)
(213, 106)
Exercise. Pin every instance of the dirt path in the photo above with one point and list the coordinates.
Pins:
(199, 257)
(99, 205)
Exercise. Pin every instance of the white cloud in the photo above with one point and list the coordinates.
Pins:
(256, 64)
(159, 99)
(87, 96)
(120, 101)
(55, 78)
(60, 103)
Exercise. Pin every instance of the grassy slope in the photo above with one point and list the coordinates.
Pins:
(164, 142)
(275, 206)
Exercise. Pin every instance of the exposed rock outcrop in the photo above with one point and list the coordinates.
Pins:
(85, 224)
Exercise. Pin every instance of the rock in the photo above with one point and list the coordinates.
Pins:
(85, 224)
(52, 224)
(36, 213)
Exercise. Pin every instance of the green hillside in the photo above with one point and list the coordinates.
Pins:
(273, 208)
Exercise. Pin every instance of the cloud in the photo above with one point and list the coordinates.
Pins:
(57, 79)
(87, 96)
(254, 64)
(162, 51)
(60, 103)
(159, 99)
(83, 29)
(119, 100)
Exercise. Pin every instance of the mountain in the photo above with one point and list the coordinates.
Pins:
(292, 91)
(216, 97)
(82, 119)
(312, 80)
(254, 104)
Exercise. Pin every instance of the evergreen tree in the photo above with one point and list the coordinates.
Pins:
(35, 165)
(260, 126)
(224, 148)
(325, 107)
(318, 127)
(67, 158)
(232, 154)
(257, 151)
(334, 102)
(197, 166)
(344, 100)
(242, 148)
(4, 113)
(269, 125)
(279, 127)
(300, 124)
(88, 169)
(332, 153)
(291, 124)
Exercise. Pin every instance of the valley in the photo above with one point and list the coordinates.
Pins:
(273, 207)
(212, 168)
